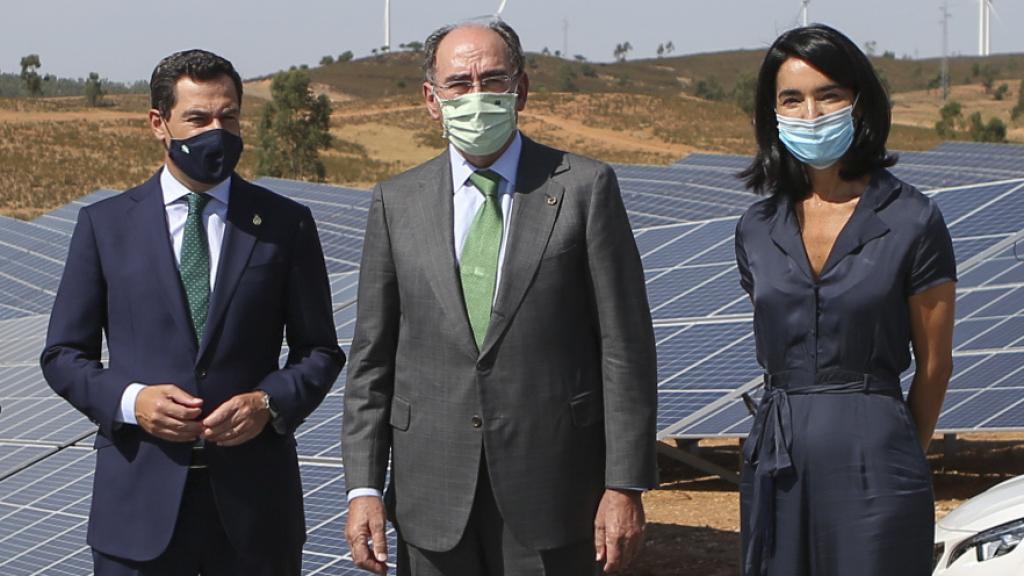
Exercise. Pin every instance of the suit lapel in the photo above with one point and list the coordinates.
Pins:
(240, 235)
(864, 225)
(435, 233)
(152, 224)
(534, 211)
(785, 233)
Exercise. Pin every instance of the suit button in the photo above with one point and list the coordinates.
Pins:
(201, 373)
(477, 421)
(483, 366)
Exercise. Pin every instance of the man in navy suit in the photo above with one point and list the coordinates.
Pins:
(195, 277)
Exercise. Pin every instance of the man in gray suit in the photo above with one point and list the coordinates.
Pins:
(503, 356)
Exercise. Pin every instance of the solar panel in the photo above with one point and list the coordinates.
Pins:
(683, 216)
(44, 511)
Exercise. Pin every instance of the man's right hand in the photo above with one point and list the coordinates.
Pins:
(168, 412)
(366, 522)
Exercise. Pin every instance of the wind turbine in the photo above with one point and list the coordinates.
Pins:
(985, 10)
(489, 17)
(387, 24)
(803, 11)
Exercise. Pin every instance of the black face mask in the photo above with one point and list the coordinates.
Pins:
(209, 157)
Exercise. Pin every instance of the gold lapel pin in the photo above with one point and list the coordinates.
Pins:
(552, 200)
(256, 220)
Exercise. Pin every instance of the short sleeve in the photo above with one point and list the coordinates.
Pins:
(933, 261)
(746, 280)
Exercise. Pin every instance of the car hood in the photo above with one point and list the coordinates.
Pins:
(999, 504)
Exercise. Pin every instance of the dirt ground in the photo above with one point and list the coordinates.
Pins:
(921, 108)
(693, 519)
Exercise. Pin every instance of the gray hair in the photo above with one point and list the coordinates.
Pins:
(500, 27)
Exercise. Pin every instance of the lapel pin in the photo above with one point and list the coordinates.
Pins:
(256, 220)
(552, 200)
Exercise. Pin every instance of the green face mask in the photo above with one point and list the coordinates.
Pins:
(479, 123)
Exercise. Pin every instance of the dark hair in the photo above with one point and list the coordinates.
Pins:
(500, 27)
(198, 65)
(774, 170)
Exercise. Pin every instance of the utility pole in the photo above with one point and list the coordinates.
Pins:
(945, 50)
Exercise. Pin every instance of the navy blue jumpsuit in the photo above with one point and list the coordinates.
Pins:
(834, 481)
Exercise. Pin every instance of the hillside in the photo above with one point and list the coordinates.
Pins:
(53, 150)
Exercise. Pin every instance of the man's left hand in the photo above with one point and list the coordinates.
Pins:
(619, 528)
(237, 421)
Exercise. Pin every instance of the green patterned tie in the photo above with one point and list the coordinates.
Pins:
(478, 266)
(195, 263)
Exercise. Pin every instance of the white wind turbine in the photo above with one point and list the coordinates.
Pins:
(501, 8)
(985, 10)
(387, 24)
(803, 11)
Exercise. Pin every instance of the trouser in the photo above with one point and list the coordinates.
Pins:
(488, 548)
(199, 545)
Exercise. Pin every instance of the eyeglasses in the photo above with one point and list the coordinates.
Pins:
(498, 84)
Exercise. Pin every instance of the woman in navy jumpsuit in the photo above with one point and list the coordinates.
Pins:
(847, 267)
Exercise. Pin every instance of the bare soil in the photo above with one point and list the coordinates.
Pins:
(693, 519)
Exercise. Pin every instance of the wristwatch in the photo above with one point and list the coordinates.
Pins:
(275, 417)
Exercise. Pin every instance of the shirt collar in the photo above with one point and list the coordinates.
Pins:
(506, 165)
(174, 190)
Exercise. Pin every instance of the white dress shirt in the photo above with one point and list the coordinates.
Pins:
(467, 202)
(214, 215)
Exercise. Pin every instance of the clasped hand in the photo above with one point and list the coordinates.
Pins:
(170, 413)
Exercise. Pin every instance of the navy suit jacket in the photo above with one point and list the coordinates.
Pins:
(120, 279)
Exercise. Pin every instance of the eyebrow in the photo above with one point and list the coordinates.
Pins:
(484, 74)
(818, 90)
(192, 112)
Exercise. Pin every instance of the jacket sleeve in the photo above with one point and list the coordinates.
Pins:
(314, 358)
(628, 357)
(366, 439)
(71, 359)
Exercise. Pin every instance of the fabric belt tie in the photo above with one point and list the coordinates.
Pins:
(768, 447)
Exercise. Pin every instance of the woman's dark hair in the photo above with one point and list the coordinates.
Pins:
(774, 170)
(199, 65)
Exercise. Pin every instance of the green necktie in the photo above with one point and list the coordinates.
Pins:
(478, 266)
(195, 263)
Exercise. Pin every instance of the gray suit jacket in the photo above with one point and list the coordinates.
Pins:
(561, 398)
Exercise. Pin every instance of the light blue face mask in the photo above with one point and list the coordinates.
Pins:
(820, 142)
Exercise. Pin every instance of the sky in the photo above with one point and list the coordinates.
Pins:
(124, 39)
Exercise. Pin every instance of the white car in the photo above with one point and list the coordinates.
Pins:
(982, 536)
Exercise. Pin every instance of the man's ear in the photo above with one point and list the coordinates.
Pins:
(430, 101)
(158, 126)
(523, 90)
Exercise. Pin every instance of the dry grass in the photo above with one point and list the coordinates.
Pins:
(54, 150)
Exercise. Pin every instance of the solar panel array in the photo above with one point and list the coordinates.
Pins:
(683, 216)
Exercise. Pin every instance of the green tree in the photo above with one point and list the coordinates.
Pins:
(669, 47)
(93, 90)
(951, 119)
(709, 89)
(327, 60)
(1018, 110)
(1001, 91)
(30, 74)
(567, 79)
(345, 56)
(744, 91)
(413, 46)
(993, 131)
(622, 50)
(294, 127)
(661, 50)
(988, 78)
